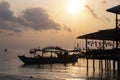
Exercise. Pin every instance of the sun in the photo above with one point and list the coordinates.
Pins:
(74, 6)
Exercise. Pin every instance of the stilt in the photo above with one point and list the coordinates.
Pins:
(100, 73)
(118, 67)
(93, 66)
(87, 67)
(110, 64)
(102, 65)
(114, 68)
(105, 64)
(99, 65)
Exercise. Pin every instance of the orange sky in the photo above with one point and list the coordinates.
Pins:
(30, 23)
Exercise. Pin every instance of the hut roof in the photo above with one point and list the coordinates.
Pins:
(108, 34)
(115, 9)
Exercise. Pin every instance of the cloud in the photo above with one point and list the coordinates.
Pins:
(34, 18)
(9, 25)
(107, 19)
(104, 2)
(5, 13)
(7, 34)
(91, 11)
(7, 20)
(39, 20)
(65, 27)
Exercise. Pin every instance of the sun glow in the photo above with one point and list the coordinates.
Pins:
(74, 6)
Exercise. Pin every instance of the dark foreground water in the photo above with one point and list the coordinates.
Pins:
(10, 64)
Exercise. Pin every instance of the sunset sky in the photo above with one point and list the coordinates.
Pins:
(27, 24)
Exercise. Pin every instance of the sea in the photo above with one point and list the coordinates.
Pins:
(10, 64)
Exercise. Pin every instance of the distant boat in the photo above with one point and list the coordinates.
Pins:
(5, 50)
(62, 57)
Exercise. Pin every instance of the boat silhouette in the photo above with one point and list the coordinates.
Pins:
(62, 56)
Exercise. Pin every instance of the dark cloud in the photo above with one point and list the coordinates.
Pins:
(5, 13)
(91, 11)
(33, 18)
(39, 20)
(9, 25)
(7, 20)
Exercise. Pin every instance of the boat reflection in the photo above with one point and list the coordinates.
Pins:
(41, 66)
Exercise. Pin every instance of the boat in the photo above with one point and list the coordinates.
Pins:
(62, 56)
(47, 60)
(5, 50)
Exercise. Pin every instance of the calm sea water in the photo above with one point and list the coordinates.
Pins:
(10, 64)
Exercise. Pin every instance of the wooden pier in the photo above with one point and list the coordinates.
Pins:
(104, 45)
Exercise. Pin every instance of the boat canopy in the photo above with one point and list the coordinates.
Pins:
(53, 49)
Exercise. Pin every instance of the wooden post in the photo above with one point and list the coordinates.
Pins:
(105, 64)
(86, 55)
(110, 64)
(102, 65)
(86, 44)
(114, 65)
(113, 68)
(93, 66)
(99, 65)
(116, 21)
(117, 44)
(103, 44)
(118, 66)
(51, 55)
(87, 67)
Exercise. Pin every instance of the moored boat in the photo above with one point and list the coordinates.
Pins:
(47, 60)
(62, 56)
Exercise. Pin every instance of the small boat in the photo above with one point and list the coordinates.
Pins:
(5, 50)
(47, 60)
(62, 57)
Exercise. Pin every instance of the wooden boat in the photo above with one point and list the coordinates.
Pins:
(62, 57)
(47, 60)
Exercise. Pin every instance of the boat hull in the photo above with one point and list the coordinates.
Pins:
(41, 60)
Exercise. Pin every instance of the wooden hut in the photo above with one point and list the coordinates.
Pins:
(106, 42)
(103, 39)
